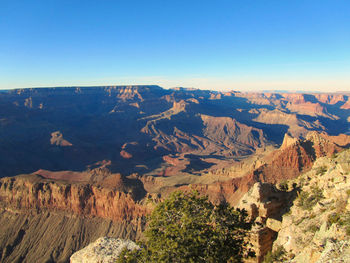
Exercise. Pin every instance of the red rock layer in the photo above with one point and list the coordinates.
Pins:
(33, 192)
(285, 163)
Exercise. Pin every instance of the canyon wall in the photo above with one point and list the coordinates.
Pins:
(45, 220)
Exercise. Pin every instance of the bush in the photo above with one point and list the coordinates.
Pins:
(188, 228)
(307, 201)
(275, 256)
(348, 192)
(341, 219)
(313, 228)
(283, 185)
(321, 170)
(333, 218)
(302, 199)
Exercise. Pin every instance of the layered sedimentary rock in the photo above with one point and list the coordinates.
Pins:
(45, 220)
(32, 192)
(218, 143)
(75, 127)
(288, 162)
(78, 207)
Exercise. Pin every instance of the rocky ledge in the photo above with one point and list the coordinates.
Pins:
(103, 250)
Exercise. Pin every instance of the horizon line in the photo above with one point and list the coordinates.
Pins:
(277, 91)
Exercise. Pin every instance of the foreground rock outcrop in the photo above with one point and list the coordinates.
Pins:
(103, 250)
(317, 227)
(265, 205)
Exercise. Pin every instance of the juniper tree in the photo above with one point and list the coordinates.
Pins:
(187, 227)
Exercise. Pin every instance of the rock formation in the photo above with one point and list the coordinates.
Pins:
(317, 227)
(117, 150)
(103, 250)
(265, 205)
(47, 220)
(38, 125)
(57, 139)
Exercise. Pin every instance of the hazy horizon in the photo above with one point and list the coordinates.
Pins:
(176, 87)
(222, 45)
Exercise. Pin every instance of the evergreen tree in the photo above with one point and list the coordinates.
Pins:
(188, 228)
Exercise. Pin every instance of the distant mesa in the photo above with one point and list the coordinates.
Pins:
(63, 175)
(125, 154)
(193, 100)
(58, 140)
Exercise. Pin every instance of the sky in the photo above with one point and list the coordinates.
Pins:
(245, 45)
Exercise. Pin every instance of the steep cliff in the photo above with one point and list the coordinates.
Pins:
(32, 192)
(46, 220)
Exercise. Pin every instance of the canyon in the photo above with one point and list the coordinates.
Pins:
(145, 129)
(80, 163)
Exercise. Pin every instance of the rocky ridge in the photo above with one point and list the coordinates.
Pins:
(318, 224)
(275, 166)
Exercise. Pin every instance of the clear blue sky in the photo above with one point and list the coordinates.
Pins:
(217, 44)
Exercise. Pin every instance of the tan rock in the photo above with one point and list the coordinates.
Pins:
(288, 141)
(57, 139)
(306, 232)
(103, 250)
(274, 224)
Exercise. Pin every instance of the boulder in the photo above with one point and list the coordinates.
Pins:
(103, 250)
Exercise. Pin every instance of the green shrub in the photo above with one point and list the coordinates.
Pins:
(302, 198)
(189, 228)
(317, 193)
(307, 201)
(283, 185)
(344, 221)
(301, 181)
(333, 218)
(341, 219)
(127, 256)
(321, 170)
(313, 228)
(277, 255)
